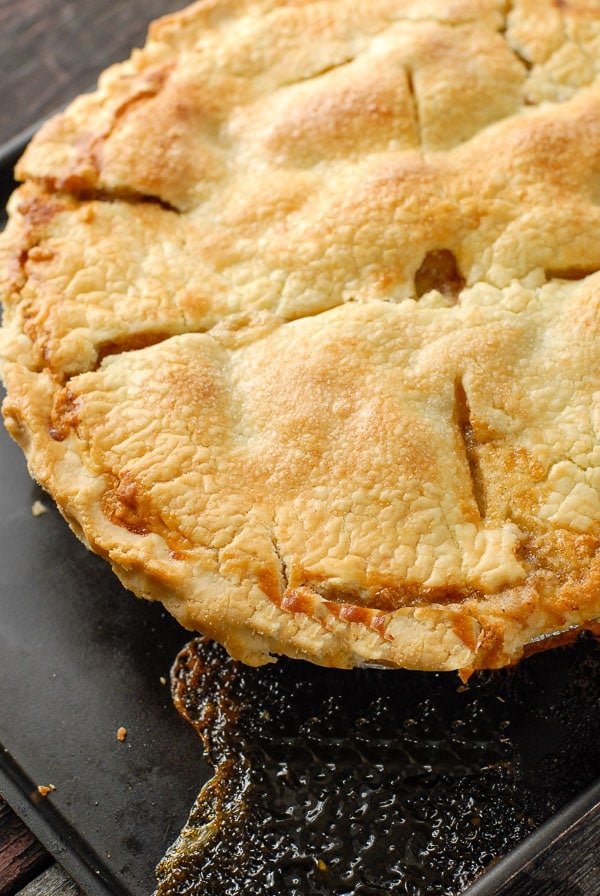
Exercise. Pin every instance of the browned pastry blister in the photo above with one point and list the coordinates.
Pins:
(302, 325)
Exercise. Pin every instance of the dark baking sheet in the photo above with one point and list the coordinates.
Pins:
(81, 657)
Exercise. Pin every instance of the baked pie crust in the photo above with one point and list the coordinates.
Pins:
(302, 325)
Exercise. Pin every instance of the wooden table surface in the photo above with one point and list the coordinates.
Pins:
(51, 50)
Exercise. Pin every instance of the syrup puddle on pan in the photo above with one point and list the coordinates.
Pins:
(366, 782)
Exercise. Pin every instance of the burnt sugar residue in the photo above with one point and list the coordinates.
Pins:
(368, 782)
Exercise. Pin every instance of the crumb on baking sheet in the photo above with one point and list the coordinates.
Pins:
(121, 733)
(37, 508)
(45, 789)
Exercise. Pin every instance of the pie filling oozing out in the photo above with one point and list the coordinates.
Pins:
(302, 325)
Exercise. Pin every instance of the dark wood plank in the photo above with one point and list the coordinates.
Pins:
(570, 866)
(52, 882)
(562, 858)
(50, 50)
(22, 857)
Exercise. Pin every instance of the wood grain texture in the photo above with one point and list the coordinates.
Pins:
(50, 50)
(21, 856)
(52, 882)
(568, 867)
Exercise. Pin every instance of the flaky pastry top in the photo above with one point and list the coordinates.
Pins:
(302, 322)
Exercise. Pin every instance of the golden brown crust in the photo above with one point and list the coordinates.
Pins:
(302, 325)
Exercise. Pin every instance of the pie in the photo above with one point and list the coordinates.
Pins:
(302, 325)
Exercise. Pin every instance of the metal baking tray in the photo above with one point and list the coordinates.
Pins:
(81, 657)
